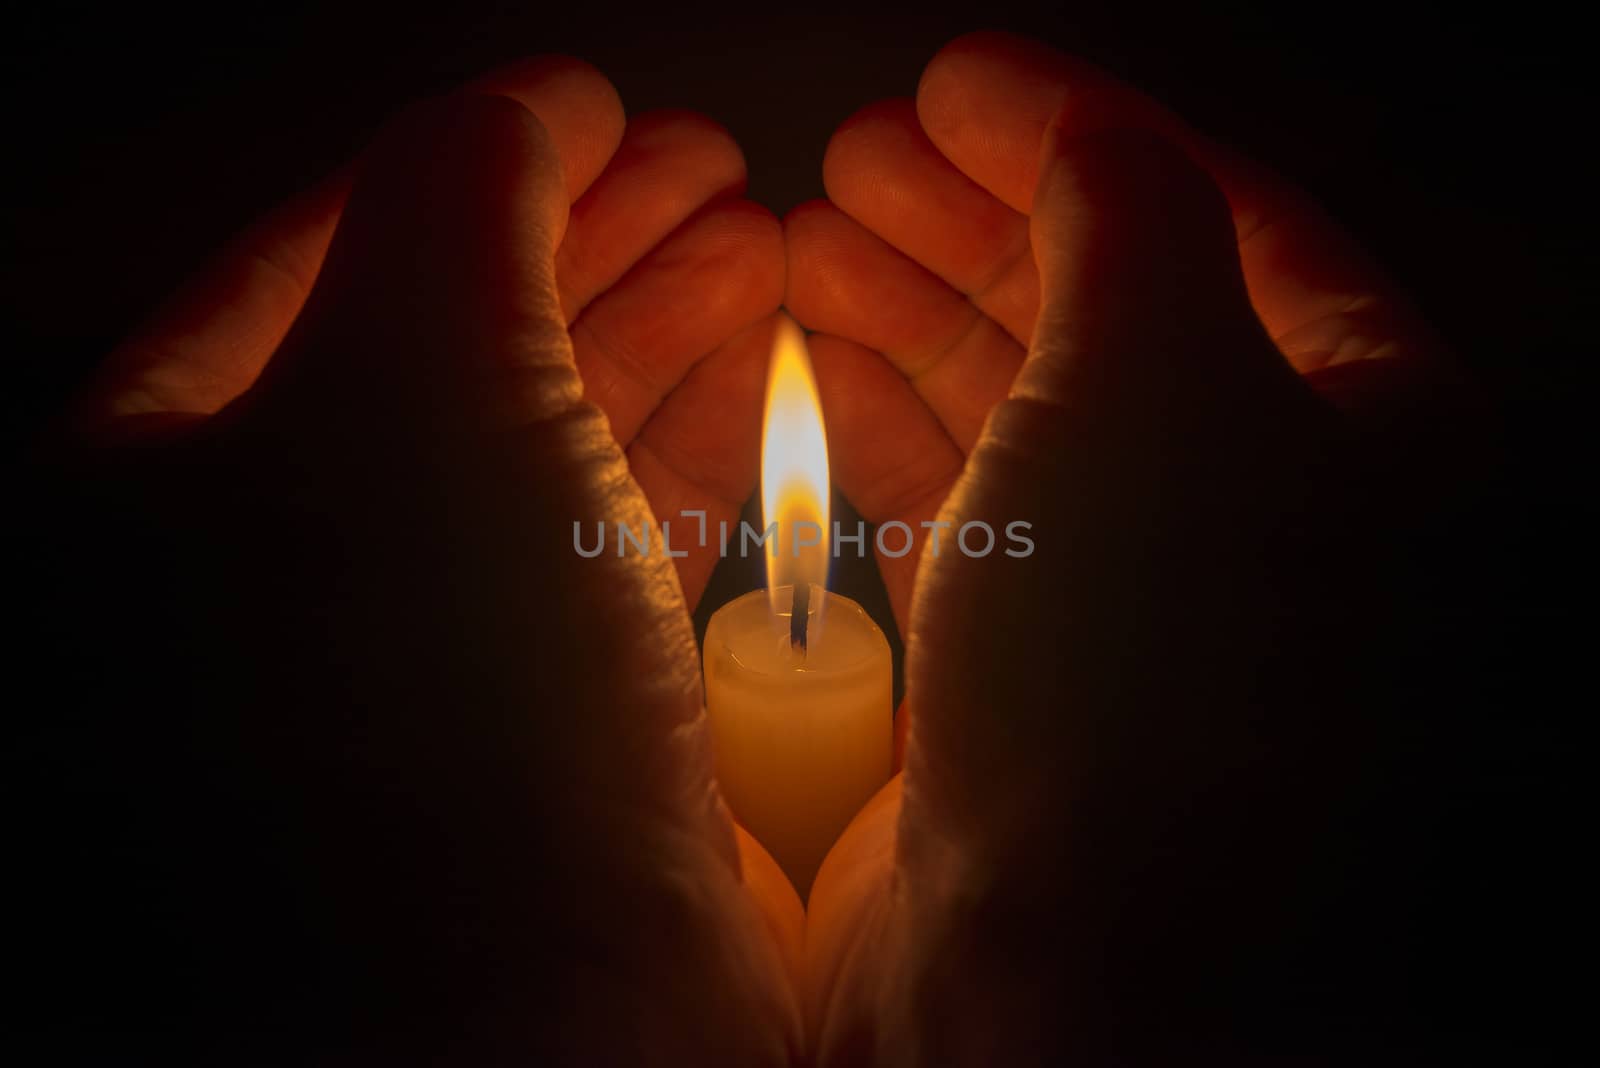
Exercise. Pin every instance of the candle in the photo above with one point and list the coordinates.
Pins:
(798, 688)
(800, 746)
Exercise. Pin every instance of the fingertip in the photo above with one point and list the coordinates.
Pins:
(852, 884)
(991, 45)
(949, 81)
(803, 215)
(805, 235)
(879, 127)
(959, 80)
(776, 899)
(800, 219)
(964, 61)
(753, 236)
(707, 145)
(208, 344)
(984, 100)
(576, 103)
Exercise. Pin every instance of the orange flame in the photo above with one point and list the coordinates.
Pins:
(794, 471)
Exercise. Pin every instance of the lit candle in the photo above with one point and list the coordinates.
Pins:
(798, 689)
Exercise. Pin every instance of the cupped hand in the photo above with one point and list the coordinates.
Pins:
(455, 776)
(921, 283)
(1124, 826)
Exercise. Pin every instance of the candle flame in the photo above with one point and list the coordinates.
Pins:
(794, 471)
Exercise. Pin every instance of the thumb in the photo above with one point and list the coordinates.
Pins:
(1140, 432)
(1139, 267)
(438, 294)
(427, 402)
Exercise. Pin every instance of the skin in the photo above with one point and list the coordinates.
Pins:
(1128, 820)
(343, 467)
(345, 476)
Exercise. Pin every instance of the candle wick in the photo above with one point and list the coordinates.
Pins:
(798, 617)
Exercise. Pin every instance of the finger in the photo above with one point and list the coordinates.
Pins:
(888, 455)
(1015, 84)
(777, 900)
(577, 105)
(717, 274)
(986, 99)
(882, 170)
(209, 343)
(1138, 269)
(846, 906)
(669, 165)
(846, 281)
(210, 340)
(685, 461)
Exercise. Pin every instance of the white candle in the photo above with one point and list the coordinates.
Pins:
(800, 712)
(802, 742)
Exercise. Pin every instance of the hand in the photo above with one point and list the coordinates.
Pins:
(422, 785)
(1126, 828)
